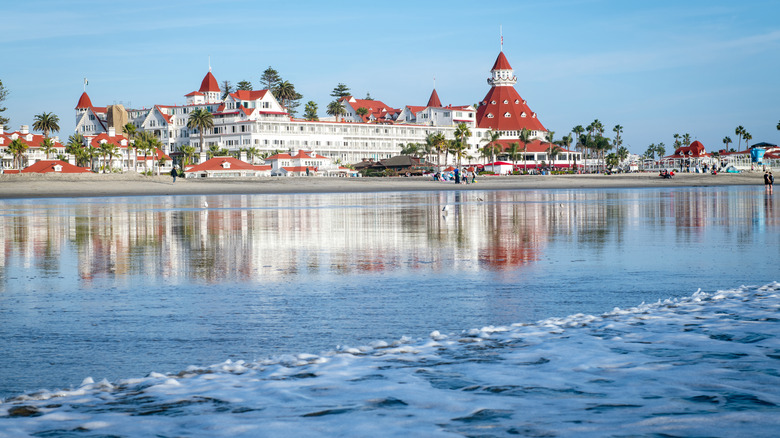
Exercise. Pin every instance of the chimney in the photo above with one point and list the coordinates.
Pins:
(24, 129)
(112, 131)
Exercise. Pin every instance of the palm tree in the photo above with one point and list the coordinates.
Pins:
(251, 153)
(459, 150)
(778, 126)
(553, 149)
(726, 141)
(440, 144)
(336, 109)
(47, 147)
(566, 143)
(412, 149)
(686, 139)
(746, 135)
(106, 150)
(131, 132)
(201, 120)
(513, 151)
(46, 122)
(17, 148)
(525, 137)
(462, 132)
(491, 137)
(188, 151)
(285, 92)
(578, 131)
(739, 132)
(362, 111)
(618, 141)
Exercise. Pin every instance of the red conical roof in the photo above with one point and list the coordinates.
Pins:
(504, 110)
(501, 63)
(84, 101)
(434, 101)
(209, 84)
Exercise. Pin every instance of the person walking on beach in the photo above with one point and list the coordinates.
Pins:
(174, 173)
(769, 181)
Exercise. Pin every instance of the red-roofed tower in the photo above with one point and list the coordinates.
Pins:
(434, 101)
(503, 109)
(210, 88)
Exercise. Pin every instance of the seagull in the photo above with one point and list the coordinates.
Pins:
(205, 204)
(479, 199)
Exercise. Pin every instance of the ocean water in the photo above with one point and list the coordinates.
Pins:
(532, 313)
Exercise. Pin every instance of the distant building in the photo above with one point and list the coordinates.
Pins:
(256, 120)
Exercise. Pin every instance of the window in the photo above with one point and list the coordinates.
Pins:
(517, 100)
(506, 101)
(493, 102)
(522, 114)
(507, 115)
(490, 115)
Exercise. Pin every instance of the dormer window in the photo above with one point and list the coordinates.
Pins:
(226, 165)
(490, 115)
(506, 101)
(522, 114)
(507, 115)
(493, 102)
(517, 100)
(58, 168)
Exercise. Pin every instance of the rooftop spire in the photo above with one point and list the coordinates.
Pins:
(501, 33)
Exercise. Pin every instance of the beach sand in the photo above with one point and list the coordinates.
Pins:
(94, 185)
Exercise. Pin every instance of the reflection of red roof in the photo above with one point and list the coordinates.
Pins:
(300, 168)
(84, 101)
(47, 166)
(209, 84)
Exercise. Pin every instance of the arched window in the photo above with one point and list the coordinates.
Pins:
(506, 114)
(490, 115)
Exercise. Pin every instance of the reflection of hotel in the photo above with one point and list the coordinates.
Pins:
(255, 119)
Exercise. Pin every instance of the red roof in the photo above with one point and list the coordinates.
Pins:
(434, 100)
(46, 166)
(217, 163)
(155, 156)
(501, 63)
(194, 93)
(509, 111)
(300, 168)
(35, 141)
(209, 84)
(115, 140)
(374, 107)
(84, 101)
(249, 94)
(696, 149)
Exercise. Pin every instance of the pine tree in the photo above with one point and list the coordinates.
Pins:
(227, 88)
(341, 90)
(3, 94)
(270, 78)
(244, 85)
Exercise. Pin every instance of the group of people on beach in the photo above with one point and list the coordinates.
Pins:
(457, 175)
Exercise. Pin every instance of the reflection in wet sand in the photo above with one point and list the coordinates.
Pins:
(269, 237)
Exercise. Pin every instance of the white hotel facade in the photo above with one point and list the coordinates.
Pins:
(255, 119)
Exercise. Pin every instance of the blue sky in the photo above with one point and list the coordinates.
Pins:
(656, 68)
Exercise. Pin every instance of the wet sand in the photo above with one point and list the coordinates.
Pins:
(93, 185)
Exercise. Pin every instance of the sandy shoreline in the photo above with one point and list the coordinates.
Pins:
(93, 185)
